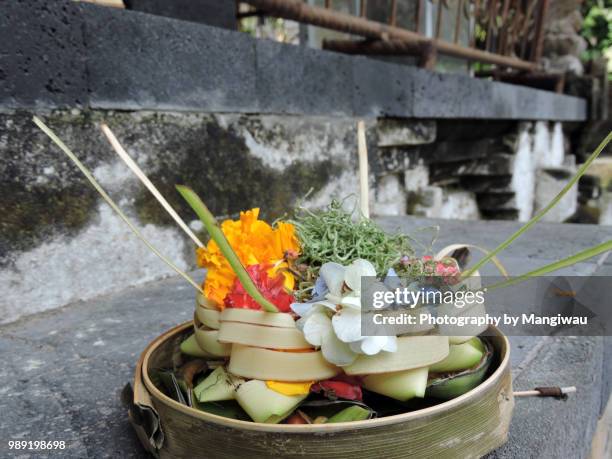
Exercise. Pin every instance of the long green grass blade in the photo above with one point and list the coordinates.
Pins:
(569, 261)
(543, 212)
(226, 249)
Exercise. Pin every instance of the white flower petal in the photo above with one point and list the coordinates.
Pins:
(313, 310)
(320, 288)
(347, 325)
(355, 346)
(356, 270)
(391, 344)
(373, 344)
(333, 275)
(337, 352)
(316, 327)
(350, 301)
(301, 309)
(327, 304)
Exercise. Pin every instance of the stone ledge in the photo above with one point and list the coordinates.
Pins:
(71, 54)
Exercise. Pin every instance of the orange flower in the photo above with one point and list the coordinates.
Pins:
(255, 242)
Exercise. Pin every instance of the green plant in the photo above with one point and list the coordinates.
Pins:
(597, 29)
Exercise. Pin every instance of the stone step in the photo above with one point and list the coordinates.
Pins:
(490, 184)
(502, 164)
(497, 201)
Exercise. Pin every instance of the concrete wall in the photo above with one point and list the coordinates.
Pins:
(61, 243)
(503, 171)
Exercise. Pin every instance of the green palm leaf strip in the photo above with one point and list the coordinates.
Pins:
(213, 228)
(569, 261)
(543, 212)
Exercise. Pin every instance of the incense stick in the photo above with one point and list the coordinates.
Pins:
(109, 201)
(362, 148)
(546, 392)
(145, 180)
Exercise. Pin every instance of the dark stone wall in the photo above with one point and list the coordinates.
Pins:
(219, 13)
(42, 54)
(65, 54)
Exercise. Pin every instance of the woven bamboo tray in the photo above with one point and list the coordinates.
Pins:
(468, 426)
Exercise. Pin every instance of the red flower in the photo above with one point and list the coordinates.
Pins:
(338, 389)
(271, 288)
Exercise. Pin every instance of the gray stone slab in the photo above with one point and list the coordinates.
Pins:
(41, 55)
(300, 80)
(548, 428)
(140, 61)
(459, 96)
(544, 241)
(217, 13)
(382, 88)
(63, 371)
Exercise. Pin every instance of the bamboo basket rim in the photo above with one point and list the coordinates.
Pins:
(314, 428)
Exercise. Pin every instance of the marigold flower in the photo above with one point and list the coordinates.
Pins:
(255, 242)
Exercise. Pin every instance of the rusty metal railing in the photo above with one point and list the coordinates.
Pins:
(505, 33)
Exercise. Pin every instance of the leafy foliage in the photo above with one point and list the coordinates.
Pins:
(332, 235)
(597, 28)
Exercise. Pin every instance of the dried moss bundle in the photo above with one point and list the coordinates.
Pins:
(331, 235)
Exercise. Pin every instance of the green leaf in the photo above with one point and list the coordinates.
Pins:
(227, 409)
(543, 212)
(226, 249)
(352, 413)
(569, 261)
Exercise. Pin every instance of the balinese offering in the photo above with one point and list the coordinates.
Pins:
(278, 327)
(282, 340)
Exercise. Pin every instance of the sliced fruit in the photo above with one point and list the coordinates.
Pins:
(460, 357)
(459, 339)
(290, 388)
(208, 341)
(447, 387)
(191, 347)
(208, 317)
(266, 364)
(217, 386)
(350, 414)
(412, 352)
(262, 336)
(252, 316)
(401, 385)
(265, 405)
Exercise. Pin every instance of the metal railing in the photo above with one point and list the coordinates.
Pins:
(505, 33)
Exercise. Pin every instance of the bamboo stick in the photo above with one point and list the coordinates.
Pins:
(145, 180)
(362, 147)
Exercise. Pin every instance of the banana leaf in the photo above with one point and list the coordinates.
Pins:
(449, 386)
